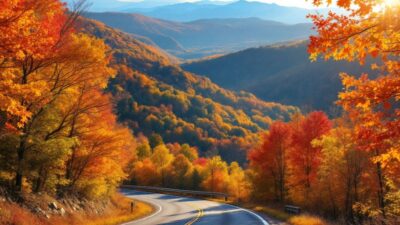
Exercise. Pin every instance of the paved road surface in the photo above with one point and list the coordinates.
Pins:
(176, 210)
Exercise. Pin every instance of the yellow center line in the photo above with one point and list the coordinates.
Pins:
(200, 213)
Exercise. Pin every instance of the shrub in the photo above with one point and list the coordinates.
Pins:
(306, 220)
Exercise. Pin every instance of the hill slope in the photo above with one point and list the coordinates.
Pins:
(279, 73)
(154, 95)
(204, 37)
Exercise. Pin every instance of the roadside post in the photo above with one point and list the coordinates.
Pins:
(294, 210)
(132, 206)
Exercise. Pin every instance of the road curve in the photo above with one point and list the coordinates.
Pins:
(177, 210)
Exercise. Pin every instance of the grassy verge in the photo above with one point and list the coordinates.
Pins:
(306, 220)
(122, 212)
(282, 216)
(277, 214)
(269, 211)
(117, 212)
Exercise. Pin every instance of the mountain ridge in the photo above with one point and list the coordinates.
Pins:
(281, 73)
(204, 37)
(190, 11)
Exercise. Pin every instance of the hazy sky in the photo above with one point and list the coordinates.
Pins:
(298, 3)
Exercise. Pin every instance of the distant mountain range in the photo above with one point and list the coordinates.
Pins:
(204, 37)
(119, 6)
(190, 11)
(185, 11)
(281, 73)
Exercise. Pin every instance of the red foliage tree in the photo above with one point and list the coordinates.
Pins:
(271, 157)
(304, 159)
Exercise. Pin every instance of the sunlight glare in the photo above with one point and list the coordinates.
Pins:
(388, 3)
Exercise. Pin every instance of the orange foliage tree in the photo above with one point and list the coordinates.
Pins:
(65, 136)
(32, 34)
(370, 29)
(216, 173)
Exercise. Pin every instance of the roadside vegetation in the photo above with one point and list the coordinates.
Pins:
(35, 211)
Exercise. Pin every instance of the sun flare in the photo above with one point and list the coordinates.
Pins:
(384, 5)
(389, 3)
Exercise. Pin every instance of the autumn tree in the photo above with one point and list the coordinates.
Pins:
(180, 171)
(98, 161)
(270, 159)
(61, 126)
(161, 157)
(342, 172)
(216, 173)
(304, 159)
(37, 37)
(369, 29)
(34, 32)
(146, 173)
(239, 186)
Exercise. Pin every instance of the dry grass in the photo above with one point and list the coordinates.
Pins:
(12, 214)
(306, 220)
(122, 212)
(117, 212)
(271, 212)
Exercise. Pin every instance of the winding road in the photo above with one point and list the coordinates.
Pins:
(177, 210)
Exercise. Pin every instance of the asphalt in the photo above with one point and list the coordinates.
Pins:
(178, 210)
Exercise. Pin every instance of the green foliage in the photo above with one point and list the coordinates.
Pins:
(196, 180)
(155, 139)
(143, 151)
(190, 153)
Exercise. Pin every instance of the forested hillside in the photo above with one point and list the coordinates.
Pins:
(281, 73)
(154, 95)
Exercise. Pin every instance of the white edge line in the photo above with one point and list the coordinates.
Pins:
(252, 213)
(147, 217)
(160, 208)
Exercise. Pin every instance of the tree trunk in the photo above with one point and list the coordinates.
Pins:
(381, 192)
(38, 181)
(20, 165)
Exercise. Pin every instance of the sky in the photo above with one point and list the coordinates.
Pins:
(297, 3)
